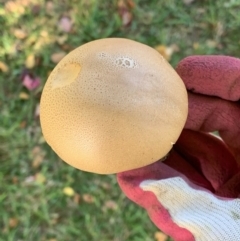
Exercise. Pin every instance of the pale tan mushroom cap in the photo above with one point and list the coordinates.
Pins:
(113, 105)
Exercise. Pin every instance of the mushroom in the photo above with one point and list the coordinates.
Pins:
(112, 105)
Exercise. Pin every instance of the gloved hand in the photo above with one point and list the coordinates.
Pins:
(195, 193)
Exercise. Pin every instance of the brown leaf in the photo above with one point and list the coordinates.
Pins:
(37, 161)
(126, 18)
(66, 47)
(23, 124)
(159, 236)
(211, 43)
(121, 5)
(36, 8)
(23, 96)
(37, 156)
(167, 51)
(20, 33)
(49, 7)
(106, 185)
(36, 150)
(3, 67)
(15, 180)
(13, 222)
(14, 7)
(24, 2)
(195, 45)
(88, 198)
(130, 3)
(110, 205)
(187, 2)
(76, 198)
(30, 61)
(44, 34)
(219, 29)
(65, 24)
(40, 178)
(37, 111)
(41, 140)
(62, 39)
(29, 179)
(124, 12)
(56, 57)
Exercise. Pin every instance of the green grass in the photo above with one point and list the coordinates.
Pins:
(39, 210)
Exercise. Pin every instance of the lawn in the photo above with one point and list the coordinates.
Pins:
(41, 197)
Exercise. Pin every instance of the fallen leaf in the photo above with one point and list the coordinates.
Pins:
(40, 178)
(65, 24)
(24, 2)
(76, 198)
(106, 185)
(37, 161)
(211, 43)
(15, 180)
(167, 51)
(88, 198)
(37, 156)
(159, 236)
(126, 18)
(31, 83)
(44, 34)
(36, 8)
(219, 29)
(30, 61)
(68, 191)
(41, 140)
(56, 57)
(62, 39)
(20, 33)
(13, 222)
(54, 218)
(187, 2)
(112, 221)
(201, 11)
(110, 205)
(196, 45)
(124, 12)
(23, 96)
(66, 47)
(49, 7)
(29, 179)
(37, 111)
(3, 67)
(14, 7)
(130, 3)
(23, 124)
(36, 150)
(121, 5)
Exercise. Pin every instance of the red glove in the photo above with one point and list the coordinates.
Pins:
(195, 193)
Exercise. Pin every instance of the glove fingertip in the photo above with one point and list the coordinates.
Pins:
(215, 75)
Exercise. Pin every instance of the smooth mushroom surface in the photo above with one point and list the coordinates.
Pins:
(112, 105)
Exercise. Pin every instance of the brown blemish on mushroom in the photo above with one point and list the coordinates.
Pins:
(65, 75)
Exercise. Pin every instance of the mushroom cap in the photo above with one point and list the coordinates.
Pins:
(112, 105)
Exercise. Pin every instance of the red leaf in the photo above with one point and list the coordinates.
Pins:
(65, 24)
(30, 82)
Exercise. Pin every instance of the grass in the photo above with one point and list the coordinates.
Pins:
(33, 205)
